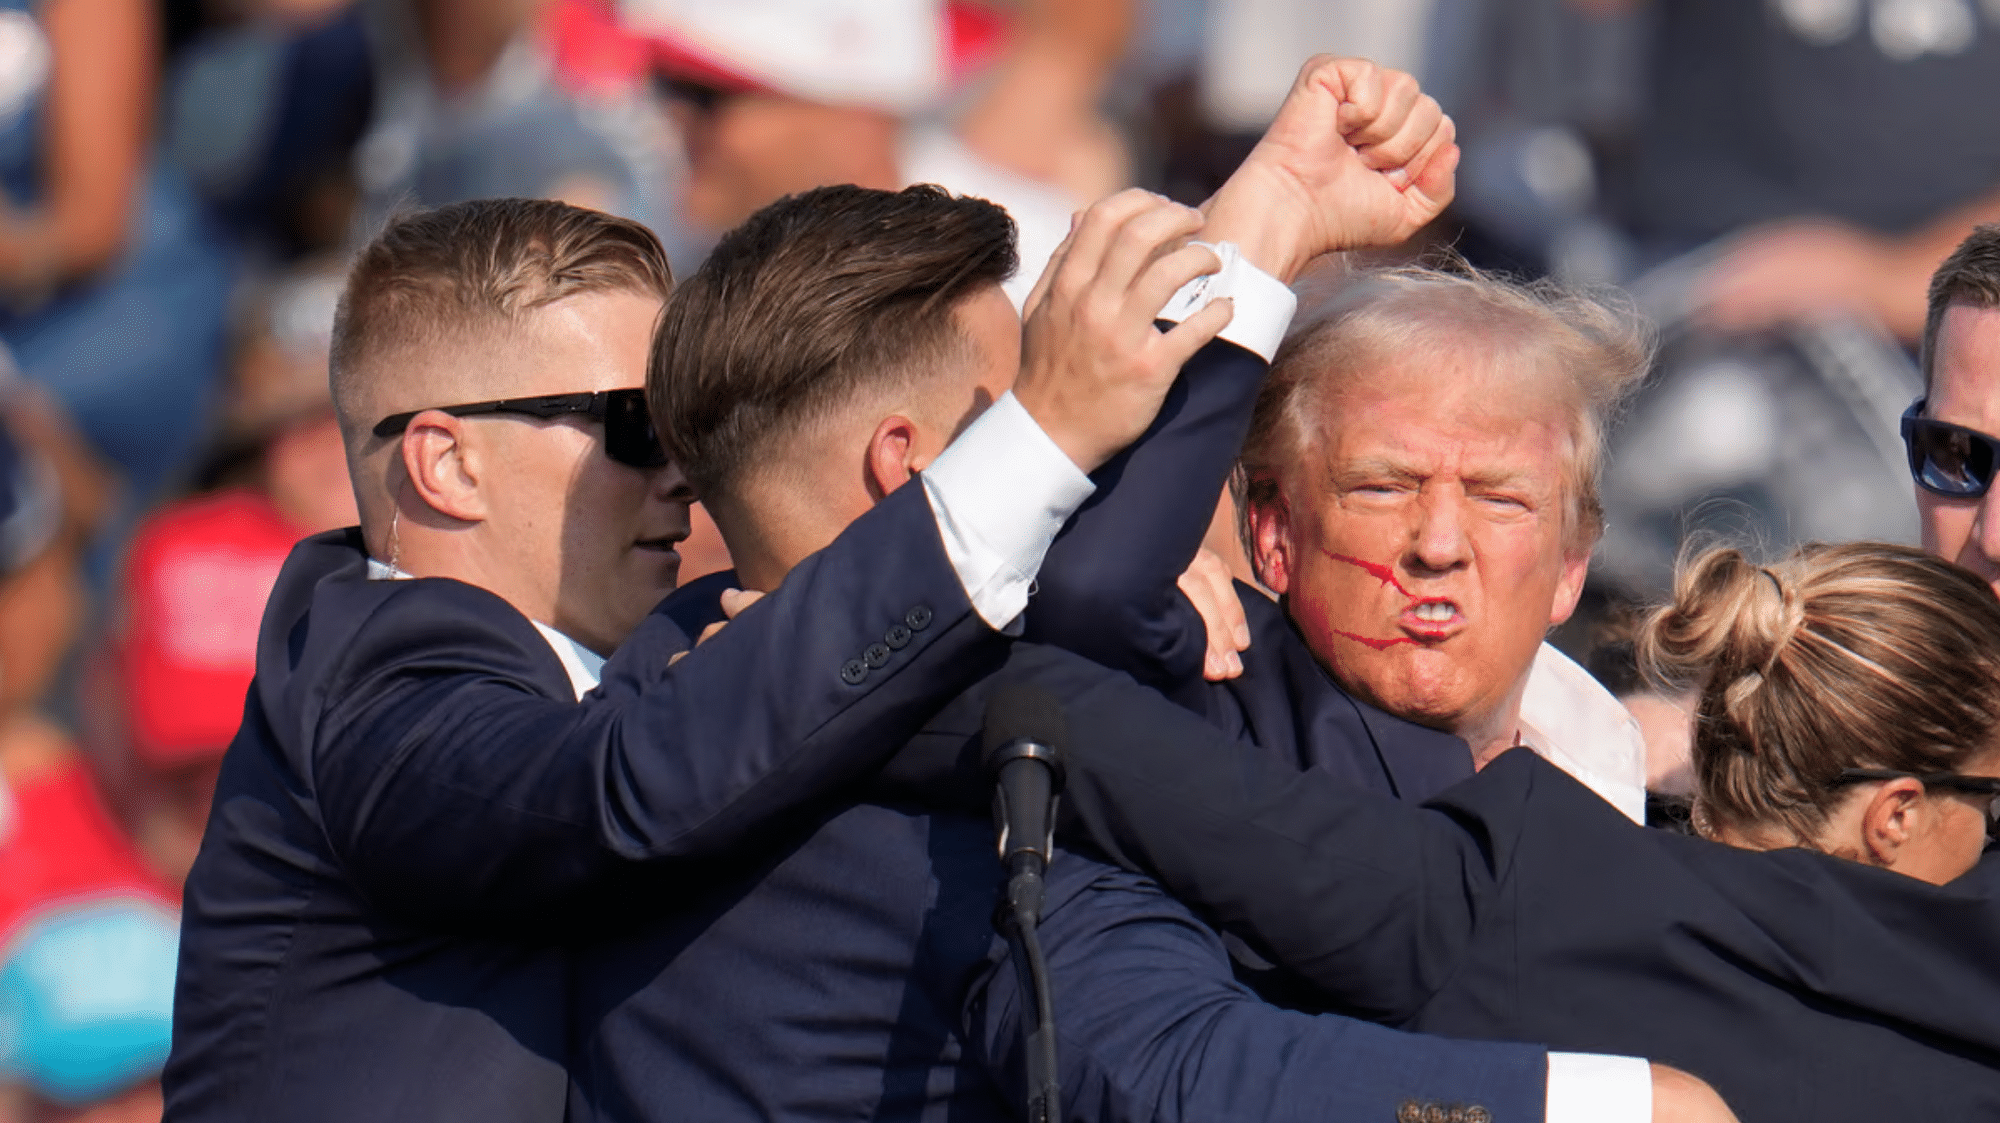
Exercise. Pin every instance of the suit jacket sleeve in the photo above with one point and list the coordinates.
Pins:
(451, 790)
(1107, 589)
(1151, 1026)
(1371, 899)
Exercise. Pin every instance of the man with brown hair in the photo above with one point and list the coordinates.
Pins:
(468, 727)
(1949, 431)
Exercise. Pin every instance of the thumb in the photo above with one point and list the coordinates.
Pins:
(735, 601)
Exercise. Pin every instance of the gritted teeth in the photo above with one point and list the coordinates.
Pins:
(1435, 611)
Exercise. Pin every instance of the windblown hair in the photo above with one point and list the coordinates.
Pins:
(437, 276)
(1411, 315)
(1866, 655)
(1969, 277)
(815, 300)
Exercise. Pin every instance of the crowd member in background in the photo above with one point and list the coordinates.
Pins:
(86, 929)
(777, 96)
(112, 293)
(467, 106)
(1831, 961)
(163, 696)
(1949, 431)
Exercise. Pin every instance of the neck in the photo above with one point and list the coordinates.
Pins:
(1493, 733)
(766, 540)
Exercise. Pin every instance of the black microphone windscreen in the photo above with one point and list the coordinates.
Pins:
(1023, 711)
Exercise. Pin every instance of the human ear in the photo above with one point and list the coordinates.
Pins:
(1893, 820)
(1270, 519)
(1569, 589)
(891, 455)
(443, 467)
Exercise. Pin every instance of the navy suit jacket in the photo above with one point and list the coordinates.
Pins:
(417, 811)
(1109, 591)
(1518, 905)
(856, 974)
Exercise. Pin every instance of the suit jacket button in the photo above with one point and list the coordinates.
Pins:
(1436, 1113)
(897, 637)
(876, 655)
(1478, 1114)
(918, 618)
(853, 671)
(1410, 1111)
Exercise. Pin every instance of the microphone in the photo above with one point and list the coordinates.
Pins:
(1024, 735)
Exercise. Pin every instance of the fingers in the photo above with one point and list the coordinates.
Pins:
(1179, 344)
(1432, 173)
(1093, 236)
(1165, 276)
(1207, 585)
(1360, 91)
(1366, 125)
(1152, 233)
(1419, 125)
(735, 601)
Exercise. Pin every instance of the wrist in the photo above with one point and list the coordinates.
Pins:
(1263, 225)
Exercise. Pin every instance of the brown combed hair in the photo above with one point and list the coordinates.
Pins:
(812, 300)
(1865, 655)
(1969, 277)
(1415, 313)
(436, 276)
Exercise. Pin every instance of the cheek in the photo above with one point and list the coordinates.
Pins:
(1946, 525)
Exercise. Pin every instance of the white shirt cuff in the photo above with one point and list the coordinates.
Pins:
(1000, 492)
(1264, 304)
(1597, 1088)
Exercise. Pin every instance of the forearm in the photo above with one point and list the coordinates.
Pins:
(1152, 1027)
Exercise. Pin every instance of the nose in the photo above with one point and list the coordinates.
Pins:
(1986, 530)
(1440, 543)
(670, 484)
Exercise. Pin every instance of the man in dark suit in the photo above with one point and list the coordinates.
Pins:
(1421, 472)
(1518, 905)
(444, 768)
(826, 981)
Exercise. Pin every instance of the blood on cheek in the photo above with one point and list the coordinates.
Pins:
(1387, 577)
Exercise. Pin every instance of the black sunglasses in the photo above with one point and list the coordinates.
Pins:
(1948, 460)
(702, 98)
(629, 436)
(1988, 786)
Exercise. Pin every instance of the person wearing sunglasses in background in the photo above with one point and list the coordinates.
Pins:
(468, 723)
(1950, 431)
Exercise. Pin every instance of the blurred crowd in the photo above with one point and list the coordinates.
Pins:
(1772, 180)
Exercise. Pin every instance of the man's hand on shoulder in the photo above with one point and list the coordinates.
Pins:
(1358, 156)
(1094, 369)
(1679, 1097)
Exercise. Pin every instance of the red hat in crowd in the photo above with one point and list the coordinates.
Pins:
(195, 587)
(898, 55)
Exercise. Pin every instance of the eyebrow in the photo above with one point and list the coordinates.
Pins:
(1378, 467)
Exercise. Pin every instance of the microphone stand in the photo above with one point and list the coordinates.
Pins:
(1023, 914)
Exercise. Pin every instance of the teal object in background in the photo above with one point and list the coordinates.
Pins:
(86, 998)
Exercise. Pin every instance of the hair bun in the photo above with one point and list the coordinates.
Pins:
(1728, 617)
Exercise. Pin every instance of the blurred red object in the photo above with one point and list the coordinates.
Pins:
(199, 574)
(595, 51)
(63, 847)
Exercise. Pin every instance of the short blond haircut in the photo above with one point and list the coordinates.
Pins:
(1597, 348)
(440, 276)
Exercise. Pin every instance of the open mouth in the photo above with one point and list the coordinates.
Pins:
(1432, 618)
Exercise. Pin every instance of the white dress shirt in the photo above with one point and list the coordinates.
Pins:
(1572, 721)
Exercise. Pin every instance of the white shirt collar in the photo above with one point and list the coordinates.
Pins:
(584, 667)
(1572, 721)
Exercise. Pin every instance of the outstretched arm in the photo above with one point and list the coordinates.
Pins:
(1357, 157)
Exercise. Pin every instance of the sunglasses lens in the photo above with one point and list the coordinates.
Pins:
(629, 436)
(1950, 461)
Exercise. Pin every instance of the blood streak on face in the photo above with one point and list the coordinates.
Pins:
(1385, 575)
